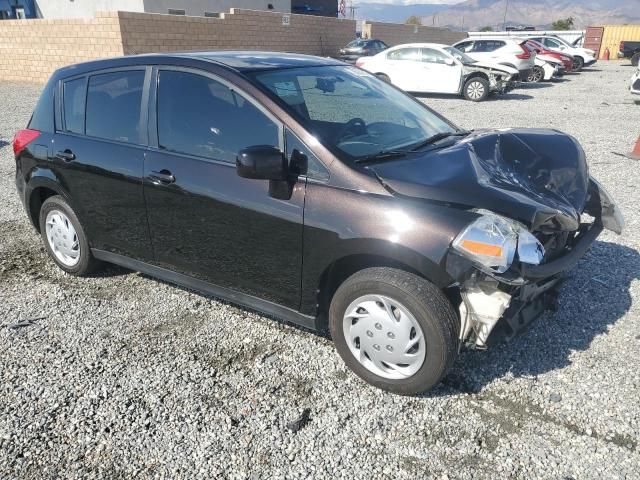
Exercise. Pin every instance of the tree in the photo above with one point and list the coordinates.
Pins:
(488, 28)
(563, 24)
(413, 20)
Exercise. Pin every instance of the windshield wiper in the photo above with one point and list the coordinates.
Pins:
(437, 137)
(381, 155)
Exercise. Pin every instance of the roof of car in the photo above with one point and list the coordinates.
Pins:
(420, 45)
(239, 60)
(244, 60)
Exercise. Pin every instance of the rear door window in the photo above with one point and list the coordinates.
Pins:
(74, 93)
(114, 106)
(200, 116)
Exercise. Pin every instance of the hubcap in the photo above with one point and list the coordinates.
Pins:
(536, 75)
(384, 336)
(475, 90)
(62, 237)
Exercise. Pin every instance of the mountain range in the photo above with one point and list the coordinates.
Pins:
(475, 14)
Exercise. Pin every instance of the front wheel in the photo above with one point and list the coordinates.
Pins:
(476, 89)
(395, 330)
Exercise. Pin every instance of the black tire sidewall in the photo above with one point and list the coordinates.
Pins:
(485, 84)
(578, 64)
(438, 357)
(86, 262)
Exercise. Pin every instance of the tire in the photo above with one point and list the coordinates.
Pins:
(81, 262)
(476, 89)
(536, 75)
(383, 77)
(427, 308)
(635, 60)
(578, 64)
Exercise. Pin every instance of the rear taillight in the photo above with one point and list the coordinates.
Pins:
(525, 52)
(23, 138)
(621, 48)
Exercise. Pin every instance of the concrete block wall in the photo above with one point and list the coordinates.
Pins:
(239, 29)
(395, 34)
(30, 50)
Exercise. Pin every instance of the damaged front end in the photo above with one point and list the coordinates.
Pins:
(507, 276)
(500, 81)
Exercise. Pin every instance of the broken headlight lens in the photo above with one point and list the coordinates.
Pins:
(491, 241)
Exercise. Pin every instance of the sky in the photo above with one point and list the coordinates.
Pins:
(408, 2)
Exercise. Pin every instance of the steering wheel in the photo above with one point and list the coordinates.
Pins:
(355, 125)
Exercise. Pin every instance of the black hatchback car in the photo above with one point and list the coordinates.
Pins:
(311, 191)
(361, 48)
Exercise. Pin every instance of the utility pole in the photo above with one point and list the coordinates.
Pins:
(504, 19)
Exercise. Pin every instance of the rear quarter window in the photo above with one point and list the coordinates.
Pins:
(114, 105)
(73, 94)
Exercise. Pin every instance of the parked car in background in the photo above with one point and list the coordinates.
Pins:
(507, 51)
(314, 192)
(582, 57)
(437, 68)
(361, 48)
(545, 67)
(634, 84)
(630, 50)
(565, 58)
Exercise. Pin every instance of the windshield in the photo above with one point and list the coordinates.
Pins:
(458, 55)
(351, 112)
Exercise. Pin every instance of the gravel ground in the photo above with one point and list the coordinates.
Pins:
(123, 375)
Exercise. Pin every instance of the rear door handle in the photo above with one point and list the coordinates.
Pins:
(66, 155)
(162, 177)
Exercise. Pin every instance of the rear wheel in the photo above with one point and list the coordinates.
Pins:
(536, 74)
(635, 60)
(578, 63)
(384, 77)
(476, 89)
(64, 237)
(395, 330)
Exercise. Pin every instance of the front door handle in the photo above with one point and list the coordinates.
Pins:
(66, 155)
(164, 177)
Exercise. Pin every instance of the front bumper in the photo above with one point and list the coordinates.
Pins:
(496, 306)
(590, 62)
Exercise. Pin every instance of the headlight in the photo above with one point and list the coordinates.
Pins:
(491, 241)
(612, 218)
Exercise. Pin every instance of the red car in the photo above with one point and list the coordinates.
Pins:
(567, 60)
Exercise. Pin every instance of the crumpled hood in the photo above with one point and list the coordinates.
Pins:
(537, 176)
(492, 66)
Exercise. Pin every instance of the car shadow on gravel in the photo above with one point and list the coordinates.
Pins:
(594, 297)
(507, 96)
(534, 86)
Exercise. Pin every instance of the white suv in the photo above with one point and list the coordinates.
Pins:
(582, 57)
(502, 50)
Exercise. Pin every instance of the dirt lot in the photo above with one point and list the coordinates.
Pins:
(123, 375)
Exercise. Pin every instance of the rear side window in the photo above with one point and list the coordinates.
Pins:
(113, 106)
(487, 45)
(73, 94)
(200, 116)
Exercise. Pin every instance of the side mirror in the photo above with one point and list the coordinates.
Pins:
(449, 61)
(262, 162)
